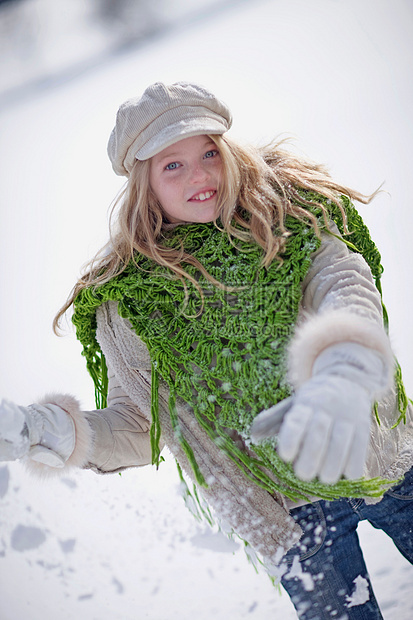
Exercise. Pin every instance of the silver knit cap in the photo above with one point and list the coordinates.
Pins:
(162, 116)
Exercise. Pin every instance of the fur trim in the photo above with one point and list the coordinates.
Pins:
(323, 330)
(83, 432)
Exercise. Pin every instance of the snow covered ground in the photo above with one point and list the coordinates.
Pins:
(334, 75)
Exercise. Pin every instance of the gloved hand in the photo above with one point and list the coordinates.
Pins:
(324, 428)
(44, 433)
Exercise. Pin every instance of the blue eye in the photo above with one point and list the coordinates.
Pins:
(210, 154)
(173, 166)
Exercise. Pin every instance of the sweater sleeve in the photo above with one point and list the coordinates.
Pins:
(118, 436)
(120, 433)
(106, 440)
(122, 430)
(340, 303)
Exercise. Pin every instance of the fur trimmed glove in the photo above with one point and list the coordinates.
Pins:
(324, 428)
(44, 433)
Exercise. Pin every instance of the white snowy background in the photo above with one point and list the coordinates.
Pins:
(334, 75)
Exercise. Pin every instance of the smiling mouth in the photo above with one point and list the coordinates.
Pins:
(202, 196)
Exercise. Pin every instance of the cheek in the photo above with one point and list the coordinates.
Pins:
(174, 187)
(167, 188)
(218, 170)
(154, 183)
(168, 193)
(157, 187)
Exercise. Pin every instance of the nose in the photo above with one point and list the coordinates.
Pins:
(198, 173)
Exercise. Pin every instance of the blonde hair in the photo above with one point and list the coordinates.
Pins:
(259, 188)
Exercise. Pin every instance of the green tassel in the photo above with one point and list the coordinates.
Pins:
(402, 398)
(193, 502)
(385, 314)
(376, 413)
(155, 432)
(204, 509)
(104, 384)
(99, 374)
(184, 444)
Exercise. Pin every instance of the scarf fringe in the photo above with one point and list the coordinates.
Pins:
(155, 431)
(265, 469)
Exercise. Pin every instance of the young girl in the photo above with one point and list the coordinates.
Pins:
(236, 316)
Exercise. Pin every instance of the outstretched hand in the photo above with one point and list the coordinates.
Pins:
(323, 429)
(14, 433)
(44, 433)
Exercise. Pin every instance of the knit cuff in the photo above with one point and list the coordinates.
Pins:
(329, 328)
(83, 437)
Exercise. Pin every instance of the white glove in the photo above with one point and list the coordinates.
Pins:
(324, 428)
(44, 433)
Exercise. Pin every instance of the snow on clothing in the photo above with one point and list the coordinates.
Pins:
(325, 575)
(340, 302)
(230, 363)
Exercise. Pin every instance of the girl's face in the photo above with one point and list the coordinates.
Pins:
(185, 178)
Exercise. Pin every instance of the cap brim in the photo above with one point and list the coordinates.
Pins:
(178, 131)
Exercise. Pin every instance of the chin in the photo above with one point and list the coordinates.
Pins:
(206, 220)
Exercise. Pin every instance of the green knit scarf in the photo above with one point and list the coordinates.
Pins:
(225, 354)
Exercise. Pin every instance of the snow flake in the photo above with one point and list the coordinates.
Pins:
(297, 571)
(360, 593)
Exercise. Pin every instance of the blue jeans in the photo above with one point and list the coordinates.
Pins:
(326, 576)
